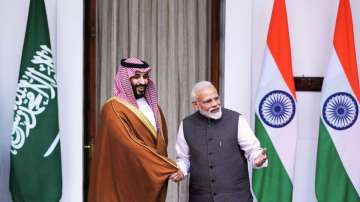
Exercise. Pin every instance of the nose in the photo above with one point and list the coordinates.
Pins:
(214, 103)
(142, 80)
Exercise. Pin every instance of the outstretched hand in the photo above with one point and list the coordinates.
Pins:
(260, 160)
(177, 177)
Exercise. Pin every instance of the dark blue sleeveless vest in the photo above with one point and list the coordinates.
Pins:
(218, 171)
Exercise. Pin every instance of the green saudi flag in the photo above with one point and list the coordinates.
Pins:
(337, 165)
(35, 173)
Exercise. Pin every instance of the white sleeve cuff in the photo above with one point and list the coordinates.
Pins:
(255, 155)
(182, 168)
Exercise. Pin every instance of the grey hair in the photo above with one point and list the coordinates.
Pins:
(199, 86)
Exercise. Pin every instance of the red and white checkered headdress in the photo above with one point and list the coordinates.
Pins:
(122, 86)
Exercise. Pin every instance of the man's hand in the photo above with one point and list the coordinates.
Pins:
(260, 160)
(178, 176)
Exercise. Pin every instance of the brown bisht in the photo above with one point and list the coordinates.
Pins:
(130, 161)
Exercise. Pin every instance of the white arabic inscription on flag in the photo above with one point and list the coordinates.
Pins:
(36, 86)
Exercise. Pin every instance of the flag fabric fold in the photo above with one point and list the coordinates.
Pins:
(338, 163)
(275, 118)
(35, 171)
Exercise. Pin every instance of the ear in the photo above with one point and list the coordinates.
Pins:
(195, 105)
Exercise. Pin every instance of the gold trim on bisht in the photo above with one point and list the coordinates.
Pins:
(146, 122)
(138, 113)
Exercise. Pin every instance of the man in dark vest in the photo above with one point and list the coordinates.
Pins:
(214, 146)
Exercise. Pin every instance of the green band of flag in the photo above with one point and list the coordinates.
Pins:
(332, 182)
(271, 183)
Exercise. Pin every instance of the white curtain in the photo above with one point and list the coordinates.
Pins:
(173, 36)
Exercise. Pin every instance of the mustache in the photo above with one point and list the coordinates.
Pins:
(139, 85)
(213, 109)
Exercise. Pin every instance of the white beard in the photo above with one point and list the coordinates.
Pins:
(213, 115)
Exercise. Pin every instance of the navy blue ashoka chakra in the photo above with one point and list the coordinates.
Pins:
(277, 108)
(340, 111)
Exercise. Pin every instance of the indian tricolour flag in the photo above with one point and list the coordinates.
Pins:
(338, 159)
(275, 119)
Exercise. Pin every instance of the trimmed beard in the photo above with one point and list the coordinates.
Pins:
(212, 115)
(137, 96)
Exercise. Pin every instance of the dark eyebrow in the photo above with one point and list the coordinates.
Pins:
(209, 100)
(206, 101)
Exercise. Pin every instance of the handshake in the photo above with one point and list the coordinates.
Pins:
(177, 177)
